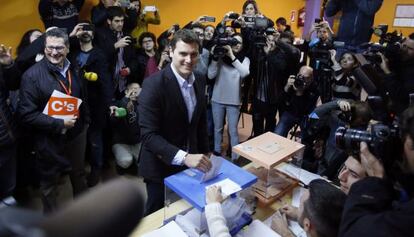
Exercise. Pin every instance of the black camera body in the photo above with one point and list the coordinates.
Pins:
(299, 82)
(222, 40)
(380, 139)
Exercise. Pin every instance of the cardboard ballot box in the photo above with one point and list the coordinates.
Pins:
(267, 151)
(191, 185)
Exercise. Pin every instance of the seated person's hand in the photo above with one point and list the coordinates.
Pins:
(344, 105)
(290, 211)
(213, 194)
(280, 225)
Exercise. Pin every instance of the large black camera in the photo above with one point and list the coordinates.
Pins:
(221, 40)
(389, 45)
(380, 139)
(299, 82)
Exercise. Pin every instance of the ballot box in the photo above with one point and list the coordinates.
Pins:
(190, 185)
(267, 152)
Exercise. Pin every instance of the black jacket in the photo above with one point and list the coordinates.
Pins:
(105, 39)
(66, 16)
(142, 59)
(125, 130)
(100, 92)
(370, 211)
(400, 84)
(9, 80)
(164, 124)
(38, 83)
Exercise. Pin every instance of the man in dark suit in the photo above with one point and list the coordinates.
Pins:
(173, 119)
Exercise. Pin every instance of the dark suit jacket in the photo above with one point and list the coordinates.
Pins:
(164, 124)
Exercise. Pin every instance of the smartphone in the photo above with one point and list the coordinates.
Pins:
(150, 9)
(209, 19)
(318, 20)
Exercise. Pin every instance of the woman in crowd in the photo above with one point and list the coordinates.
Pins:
(228, 72)
(345, 85)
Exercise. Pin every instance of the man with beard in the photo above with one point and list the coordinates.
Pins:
(119, 50)
(95, 74)
(59, 143)
(319, 212)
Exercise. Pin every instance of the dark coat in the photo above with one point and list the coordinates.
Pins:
(125, 130)
(38, 83)
(9, 80)
(142, 59)
(105, 39)
(356, 21)
(66, 16)
(100, 92)
(369, 211)
(164, 124)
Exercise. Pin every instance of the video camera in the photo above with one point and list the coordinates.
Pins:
(299, 82)
(222, 40)
(389, 45)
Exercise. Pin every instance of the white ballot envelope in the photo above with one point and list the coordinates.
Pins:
(216, 162)
(62, 106)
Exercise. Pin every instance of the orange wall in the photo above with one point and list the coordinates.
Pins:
(20, 15)
(386, 15)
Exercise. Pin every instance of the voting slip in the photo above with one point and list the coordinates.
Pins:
(62, 106)
(216, 162)
(228, 187)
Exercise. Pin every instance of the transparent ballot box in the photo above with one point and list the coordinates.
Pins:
(276, 161)
(185, 197)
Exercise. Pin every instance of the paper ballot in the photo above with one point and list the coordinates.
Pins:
(62, 106)
(228, 187)
(216, 162)
(169, 230)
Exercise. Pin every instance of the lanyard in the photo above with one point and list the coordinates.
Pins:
(68, 91)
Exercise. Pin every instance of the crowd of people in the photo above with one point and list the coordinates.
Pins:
(158, 105)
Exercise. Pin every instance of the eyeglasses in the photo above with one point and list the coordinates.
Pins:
(147, 41)
(58, 49)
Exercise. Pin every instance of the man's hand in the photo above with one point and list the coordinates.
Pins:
(280, 225)
(123, 42)
(290, 82)
(5, 55)
(70, 122)
(384, 64)
(344, 105)
(112, 110)
(290, 211)
(372, 165)
(198, 161)
(229, 52)
(213, 194)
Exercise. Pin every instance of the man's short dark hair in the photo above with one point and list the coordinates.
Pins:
(197, 25)
(281, 21)
(287, 35)
(115, 11)
(411, 36)
(324, 207)
(187, 36)
(58, 33)
(146, 35)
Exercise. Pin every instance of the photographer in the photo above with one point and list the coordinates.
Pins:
(228, 72)
(119, 50)
(372, 208)
(298, 99)
(144, 19)
(270, 71)
(99, 14)
(94, 73)
(353, 114)
(319, 55)
(400, 82)
(344, 85)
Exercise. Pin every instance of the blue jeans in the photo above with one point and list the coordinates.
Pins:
(286, 122)
(233, 113)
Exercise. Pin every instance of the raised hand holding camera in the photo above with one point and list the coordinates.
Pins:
(372, 165)
(123, 42)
